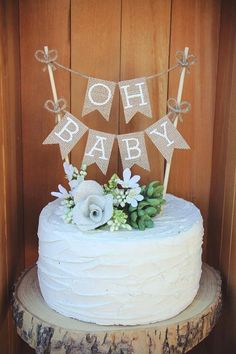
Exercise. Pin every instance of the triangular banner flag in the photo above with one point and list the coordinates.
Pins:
(166, 137)
(66, 133)
(99, 96)
(98, 149)
(133, 150)
(135, 98)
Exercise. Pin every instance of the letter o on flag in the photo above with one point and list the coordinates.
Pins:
(99, 103)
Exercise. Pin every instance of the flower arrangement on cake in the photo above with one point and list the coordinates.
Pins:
(118, 204)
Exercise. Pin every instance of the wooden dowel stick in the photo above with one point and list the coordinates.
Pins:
(54, 91)
(179, 97)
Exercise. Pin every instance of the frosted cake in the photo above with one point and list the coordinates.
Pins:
(108, 257)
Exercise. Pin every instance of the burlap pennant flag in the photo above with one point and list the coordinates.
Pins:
(135, 98)
(166, 137)
(66, 133)
(99, 96)
(133, 150)
(98, 149)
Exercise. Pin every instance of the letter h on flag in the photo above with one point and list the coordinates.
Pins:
(135, 98)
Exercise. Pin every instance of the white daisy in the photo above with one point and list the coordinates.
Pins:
(134, 196)
(69, 170)
(74, 183)
(128, 181)
(62, 193)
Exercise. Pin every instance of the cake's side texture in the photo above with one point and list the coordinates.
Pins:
(124, 277)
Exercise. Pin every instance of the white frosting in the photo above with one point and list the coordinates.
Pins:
(124, 277)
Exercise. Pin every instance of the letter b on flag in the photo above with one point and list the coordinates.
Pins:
(66, 133)
(133, 150)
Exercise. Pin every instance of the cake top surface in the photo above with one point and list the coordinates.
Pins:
(177, 217)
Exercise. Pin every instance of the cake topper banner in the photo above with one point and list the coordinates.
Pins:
(135, 98)
(99, 93)
(133, 150)
(166, 137)
(132, 146)
(66, 133)
(98, 149)
(134, 94)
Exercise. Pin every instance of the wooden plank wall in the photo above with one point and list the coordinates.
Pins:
(117, 40)
(41, 23)
(131, 41)
(221, 249)
(145, 28)
(11, 210)
(197, 25)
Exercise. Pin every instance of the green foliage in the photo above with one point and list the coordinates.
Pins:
(111, 184)
(140, 217)
(118, 220)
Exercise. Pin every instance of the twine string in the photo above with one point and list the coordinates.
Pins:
(56, 107)
(176, 109)
(185, 62)
(51, 59)
(71, 70)
(46, 58)
(162, 73)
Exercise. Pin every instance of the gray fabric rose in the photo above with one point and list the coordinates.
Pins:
(92, 208)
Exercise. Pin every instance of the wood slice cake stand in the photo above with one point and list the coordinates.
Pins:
(49, 332)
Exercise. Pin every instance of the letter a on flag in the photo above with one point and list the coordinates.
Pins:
(98, 149)
(66, 133)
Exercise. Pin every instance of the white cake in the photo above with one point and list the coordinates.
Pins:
(123, 277)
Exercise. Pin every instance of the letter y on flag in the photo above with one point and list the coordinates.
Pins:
(166, 137)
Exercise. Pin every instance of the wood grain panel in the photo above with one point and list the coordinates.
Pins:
(4, 333)
(221, 129)
(11, 232)
(145, 35)
(230, 332)
(196, 24)
(95, 50)
(41, 23)
(221, 248)
(116, 40)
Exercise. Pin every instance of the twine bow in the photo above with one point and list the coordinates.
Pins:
(177, 109)
(185, 62)
(46, 58)
(55, 107)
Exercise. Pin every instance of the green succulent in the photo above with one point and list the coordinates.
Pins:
(140, 217)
